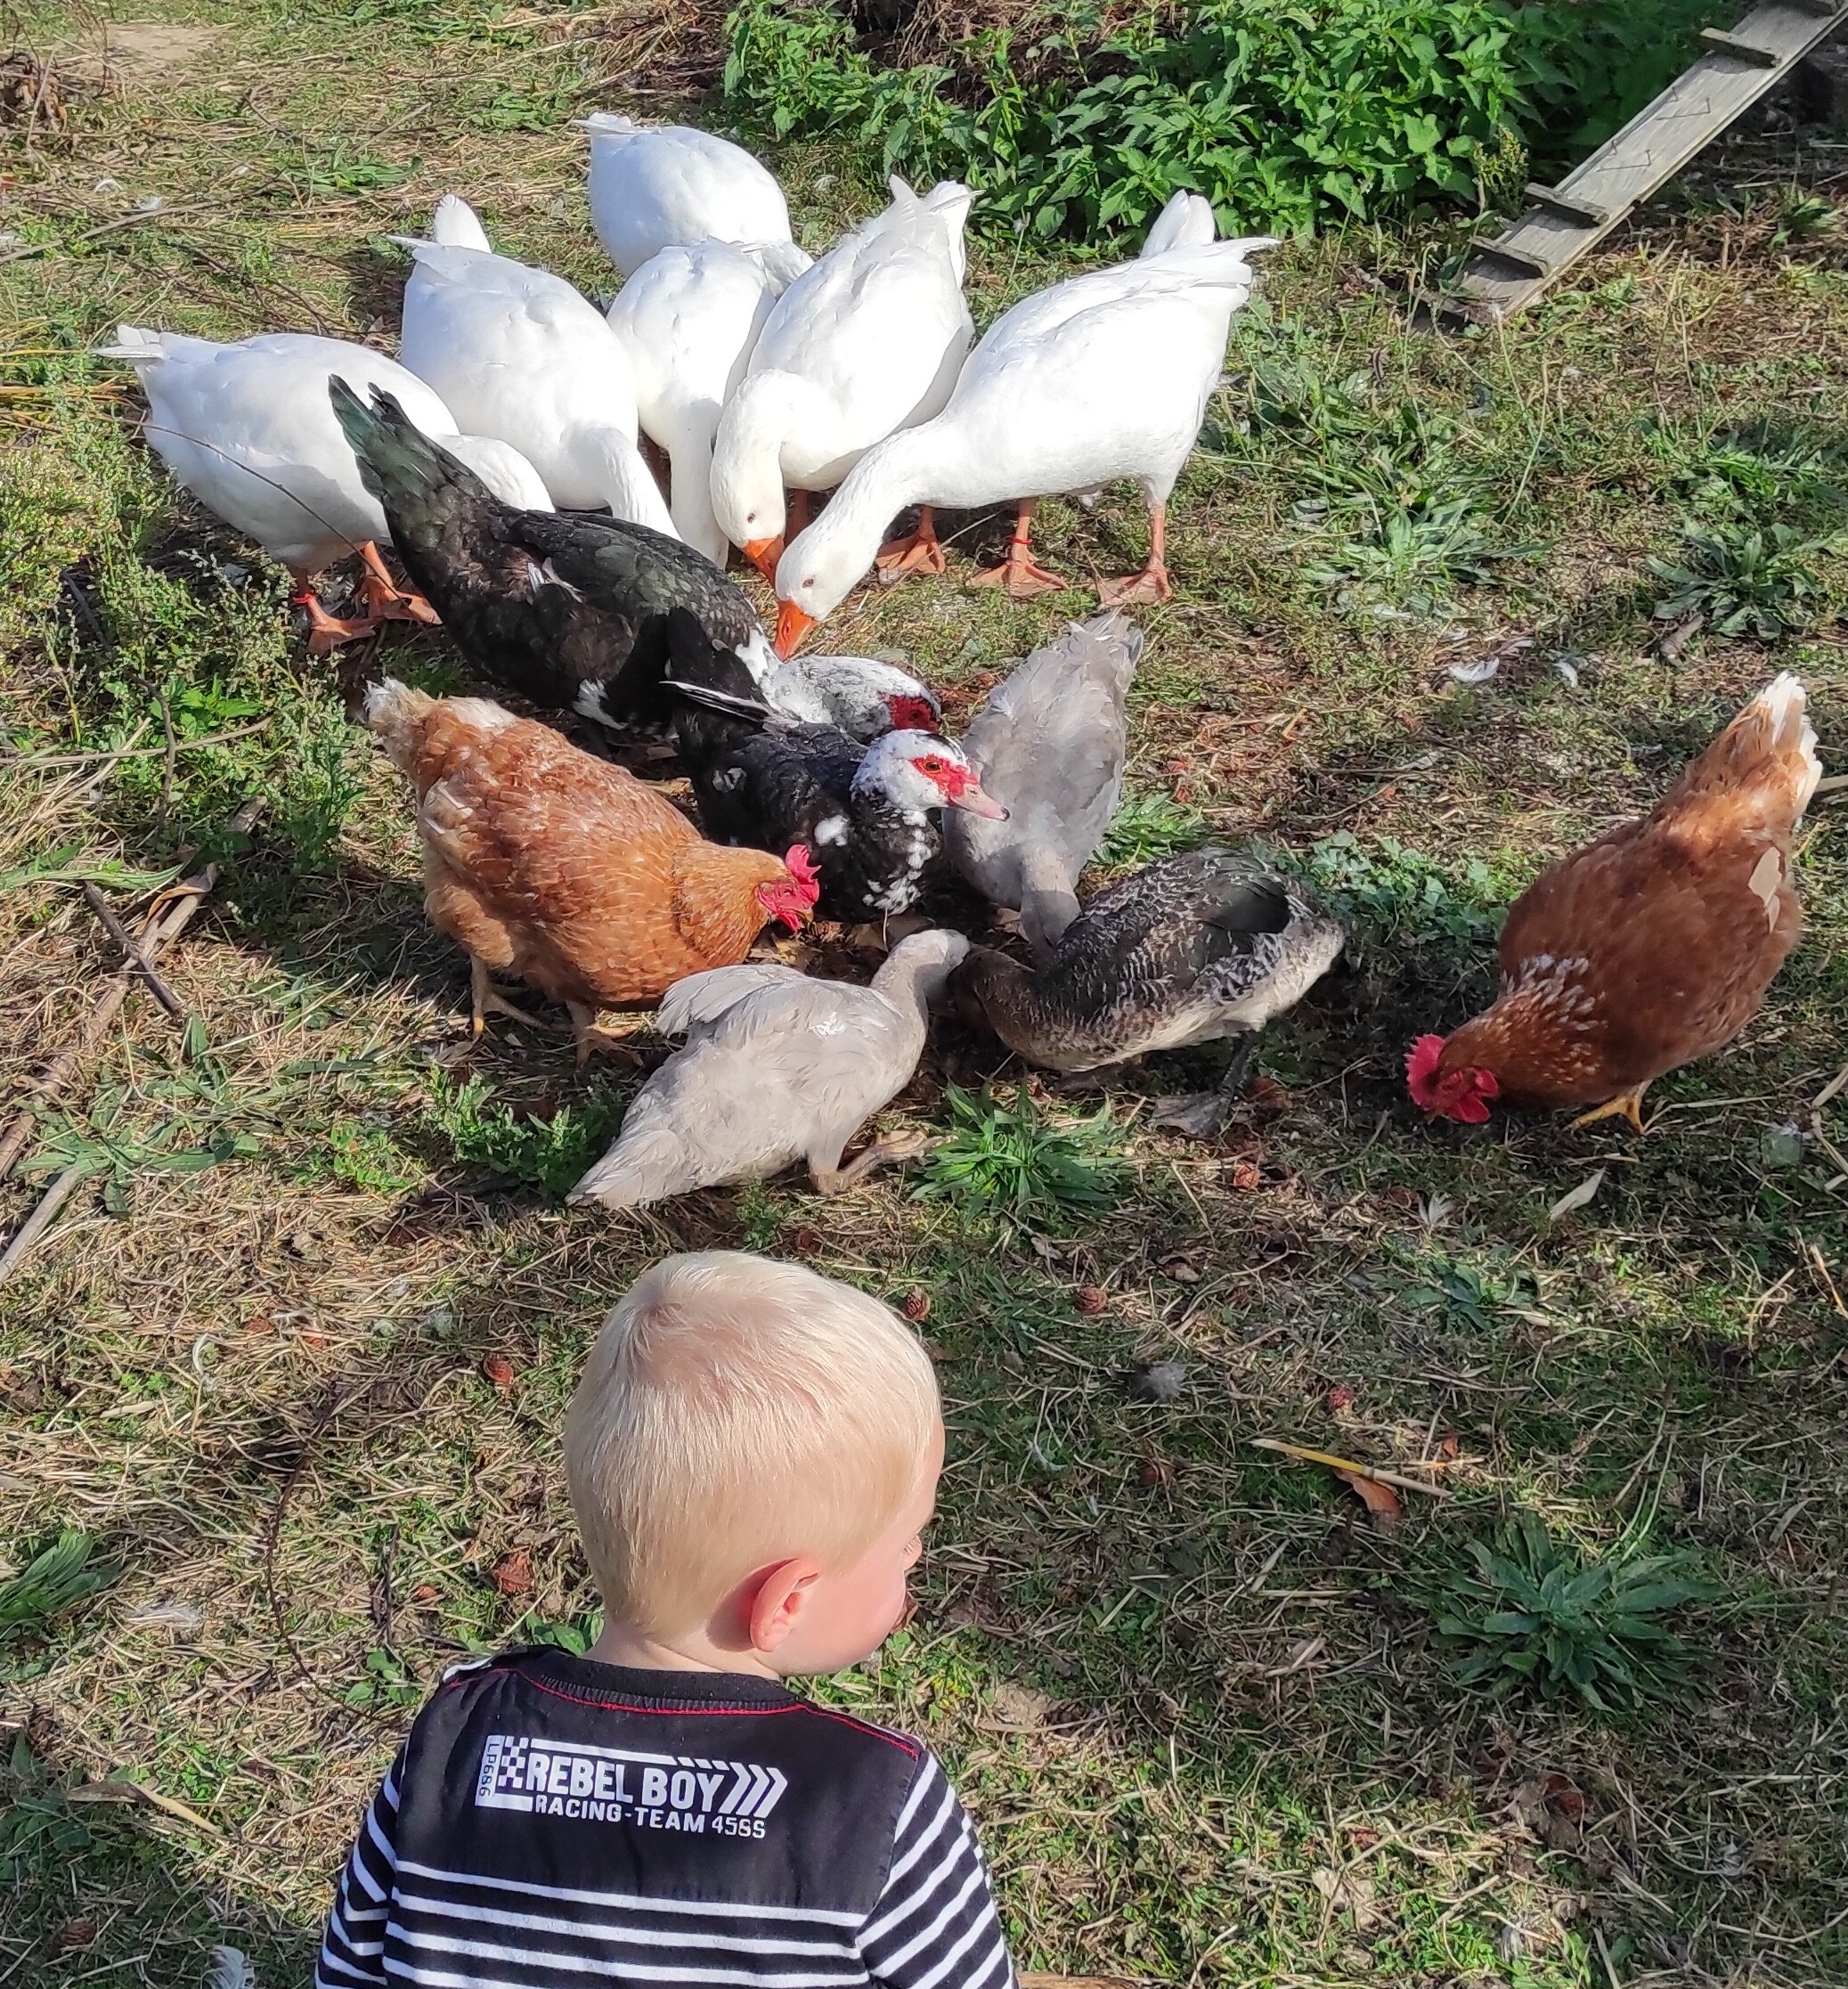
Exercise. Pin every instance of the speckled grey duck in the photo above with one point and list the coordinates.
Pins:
(569, 611)
(1190, 950)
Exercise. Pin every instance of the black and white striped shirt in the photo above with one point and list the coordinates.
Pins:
(551, 1820)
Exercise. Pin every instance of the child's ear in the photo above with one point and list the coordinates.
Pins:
(780, 1596)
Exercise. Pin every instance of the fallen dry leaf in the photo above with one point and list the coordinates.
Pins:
(1018, 1707)
(1381, 1502)
(1091, 1297)
(1244, 1177)
(513, 1573)
(1578, 1197)
(1349, 1892)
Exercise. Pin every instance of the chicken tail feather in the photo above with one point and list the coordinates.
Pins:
(1759, 774)
(647, 1164)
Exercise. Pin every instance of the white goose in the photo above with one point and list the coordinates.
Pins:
(1103, 376)
(869, 342)
(248, 429)
(661, 186)
(518, 353)
(688, 319)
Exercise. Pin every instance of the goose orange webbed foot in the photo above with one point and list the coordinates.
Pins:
(1018, 573)
(1136, 589)
(1151, 584)
(328, 632)
(919, 551)
(384, 599)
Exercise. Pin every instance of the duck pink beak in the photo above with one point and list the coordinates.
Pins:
(972, 799)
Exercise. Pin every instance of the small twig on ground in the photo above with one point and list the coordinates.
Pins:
(156, 937)
(36, 1225)
(1377, 1472)
(140, 752)
(132, 953)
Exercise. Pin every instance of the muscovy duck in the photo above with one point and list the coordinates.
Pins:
(864, 813)
(1190, 950)
(777, 1068)
(1048, 745)
(568, 611)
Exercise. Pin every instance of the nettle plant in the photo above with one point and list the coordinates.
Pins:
(1289, 115)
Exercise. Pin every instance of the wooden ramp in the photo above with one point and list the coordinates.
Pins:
(1562, 222)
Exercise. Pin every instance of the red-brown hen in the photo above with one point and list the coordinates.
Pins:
(1650, 946)
(549, 864)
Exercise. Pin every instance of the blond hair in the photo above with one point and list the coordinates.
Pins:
(735, 1412)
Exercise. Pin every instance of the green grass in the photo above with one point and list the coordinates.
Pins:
(1196, 1701)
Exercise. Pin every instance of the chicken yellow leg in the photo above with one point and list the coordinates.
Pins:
(589, 1037)
(1626, 1104)
(486, 999)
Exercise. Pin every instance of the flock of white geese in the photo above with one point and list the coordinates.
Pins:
(763, 375)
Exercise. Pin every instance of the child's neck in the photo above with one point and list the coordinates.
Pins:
(624, 1643)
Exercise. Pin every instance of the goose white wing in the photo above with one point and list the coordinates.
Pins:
(653, 187)
(248, 429)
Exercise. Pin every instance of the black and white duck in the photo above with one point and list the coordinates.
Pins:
(568, 610)
(866, 813)
(1191, 949)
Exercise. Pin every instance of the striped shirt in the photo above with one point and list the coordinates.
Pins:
(552, 1820)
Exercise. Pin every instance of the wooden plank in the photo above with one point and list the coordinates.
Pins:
(1562, 224)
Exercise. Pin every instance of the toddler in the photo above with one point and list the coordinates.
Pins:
(752, 1453)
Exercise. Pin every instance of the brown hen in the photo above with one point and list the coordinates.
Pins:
(553, 866)
(1650, 946)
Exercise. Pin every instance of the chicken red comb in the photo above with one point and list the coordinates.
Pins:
(800, 866)
(1422, 1071)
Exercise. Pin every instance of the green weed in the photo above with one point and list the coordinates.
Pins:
(1403, 898)
(365, 1157)
(546, 1153)
(1334, 111)
(1009, 1163)
(60, 1575)
(1533, 1613)
(1151, 824)
(1745, 580)
(39, 1830)
(383, 1683)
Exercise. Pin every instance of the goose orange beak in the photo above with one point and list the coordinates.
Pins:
(792, 625)
(763, 554)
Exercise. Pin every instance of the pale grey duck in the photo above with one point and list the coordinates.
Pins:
(1048, 745)
(1190, 950)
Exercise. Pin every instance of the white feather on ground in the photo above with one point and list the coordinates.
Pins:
(777, 1068)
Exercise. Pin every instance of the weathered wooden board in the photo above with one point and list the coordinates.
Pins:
(1562, 222)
